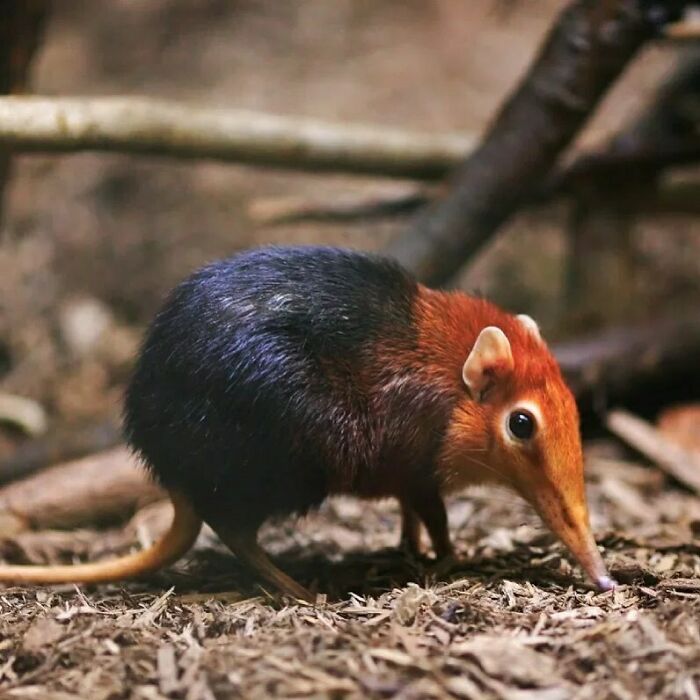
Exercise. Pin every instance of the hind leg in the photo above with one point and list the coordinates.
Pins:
(245, 546)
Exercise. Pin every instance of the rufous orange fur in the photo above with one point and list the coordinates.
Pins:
(548, 470)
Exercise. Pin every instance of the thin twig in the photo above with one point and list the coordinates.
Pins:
(348, 206)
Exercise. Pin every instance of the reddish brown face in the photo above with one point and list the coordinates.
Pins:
(528, 436)
(537, 444)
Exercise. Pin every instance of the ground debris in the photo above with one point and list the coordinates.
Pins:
(515, 619)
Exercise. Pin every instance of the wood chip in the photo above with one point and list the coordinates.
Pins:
(167, 670)
(44, 631)
(688, 585)
(24, 414)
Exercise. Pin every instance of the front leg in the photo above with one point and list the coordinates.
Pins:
(430, 508)
(410, 530)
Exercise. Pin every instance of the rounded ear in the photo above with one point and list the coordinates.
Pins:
(490, 353)
(530, 325)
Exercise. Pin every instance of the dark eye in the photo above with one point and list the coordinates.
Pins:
(521, 425)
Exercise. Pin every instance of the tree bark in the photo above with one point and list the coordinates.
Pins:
(21, 27)
(588, 47)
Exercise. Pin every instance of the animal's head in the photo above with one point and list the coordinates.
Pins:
(518, 425)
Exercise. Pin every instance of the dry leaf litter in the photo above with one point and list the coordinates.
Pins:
(514, 620)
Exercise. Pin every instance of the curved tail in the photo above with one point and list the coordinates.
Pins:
(169, 548)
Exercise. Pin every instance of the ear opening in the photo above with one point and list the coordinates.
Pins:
(490, 355)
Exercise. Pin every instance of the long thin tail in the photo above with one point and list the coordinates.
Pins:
(169, 548)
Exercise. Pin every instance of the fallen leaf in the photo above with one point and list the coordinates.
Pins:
(407, 604)
(510, 659)
(42, 632)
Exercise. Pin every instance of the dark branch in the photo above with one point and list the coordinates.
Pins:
(580, 59)
(36, 454)
(665, 135)
(22, 25)
(618, 360)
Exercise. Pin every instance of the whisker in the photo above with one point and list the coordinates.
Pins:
(490, 468)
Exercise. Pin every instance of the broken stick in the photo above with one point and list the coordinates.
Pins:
(683, 465)
(22, 413)
(99, 489)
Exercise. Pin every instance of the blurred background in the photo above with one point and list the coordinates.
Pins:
(92, 242)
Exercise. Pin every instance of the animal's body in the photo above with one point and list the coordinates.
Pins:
(273, 379)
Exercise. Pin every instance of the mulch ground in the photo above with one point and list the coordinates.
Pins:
(515, 621)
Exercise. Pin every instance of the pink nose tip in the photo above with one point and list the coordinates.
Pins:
(605, 583)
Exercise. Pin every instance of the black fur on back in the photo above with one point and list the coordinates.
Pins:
(255, 388)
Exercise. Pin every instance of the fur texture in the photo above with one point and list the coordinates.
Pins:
(278, 377)
(274, 378)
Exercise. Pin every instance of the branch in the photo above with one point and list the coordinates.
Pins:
(580, 59)
(620, 358)
(21, 30)
(627, 168)
(160, 128)
(664, 197)
(683, 465)
(33, 455)
(347, 206)
(103, 487)
(664, 135)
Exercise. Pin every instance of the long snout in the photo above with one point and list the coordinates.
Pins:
(566, 514)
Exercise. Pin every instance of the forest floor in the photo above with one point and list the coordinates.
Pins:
(107, 236)
(515, 620)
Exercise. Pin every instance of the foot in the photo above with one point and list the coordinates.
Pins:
(444, 565)
(245, 546)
